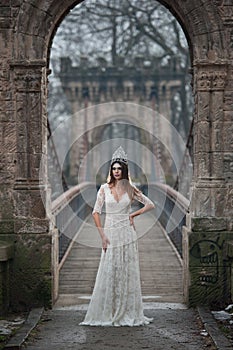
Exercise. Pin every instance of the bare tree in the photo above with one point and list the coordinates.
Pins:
(115, 28)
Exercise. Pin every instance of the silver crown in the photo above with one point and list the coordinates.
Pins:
(119, 155)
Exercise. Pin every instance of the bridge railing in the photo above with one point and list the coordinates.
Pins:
(70, 211)
(171, 208)
(186, 169)
(72, 208)
(56, 176)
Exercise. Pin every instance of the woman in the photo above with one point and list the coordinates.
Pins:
(116, 298)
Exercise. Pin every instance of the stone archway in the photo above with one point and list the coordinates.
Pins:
(27, 30)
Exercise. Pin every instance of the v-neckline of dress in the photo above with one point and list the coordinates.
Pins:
(117, 201)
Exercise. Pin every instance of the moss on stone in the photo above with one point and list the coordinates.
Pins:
(43, 292)
(209, 271)
(31, 272)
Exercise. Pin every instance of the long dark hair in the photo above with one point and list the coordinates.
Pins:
(125, 182)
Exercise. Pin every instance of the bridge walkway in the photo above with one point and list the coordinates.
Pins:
(160, 265)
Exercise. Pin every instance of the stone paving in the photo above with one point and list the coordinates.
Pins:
(174, 327)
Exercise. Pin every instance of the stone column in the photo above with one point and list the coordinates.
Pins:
(212, 202)
(31, 277)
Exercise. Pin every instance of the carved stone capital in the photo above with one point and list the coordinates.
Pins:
(28, 75)
(27, 184)
(226, 12)
(211, 77)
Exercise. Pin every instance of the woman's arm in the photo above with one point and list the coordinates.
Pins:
(105, 240)
(148, 205)
(96, 215)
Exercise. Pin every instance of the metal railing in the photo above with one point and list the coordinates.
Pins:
(186, 168)
(55, 174)
(171, 208)
(70, 210)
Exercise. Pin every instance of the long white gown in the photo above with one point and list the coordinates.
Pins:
(116, 298)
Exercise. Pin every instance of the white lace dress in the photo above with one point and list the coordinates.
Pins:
(116, 298)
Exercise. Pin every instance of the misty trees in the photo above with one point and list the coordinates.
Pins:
(116, 30)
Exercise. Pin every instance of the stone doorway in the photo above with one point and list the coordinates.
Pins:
(27, 31)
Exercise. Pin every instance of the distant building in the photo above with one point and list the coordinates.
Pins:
(145, 83)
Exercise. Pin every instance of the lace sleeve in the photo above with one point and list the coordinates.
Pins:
(140, 197)
(99, 201)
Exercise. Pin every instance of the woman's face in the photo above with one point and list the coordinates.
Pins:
(117, 171)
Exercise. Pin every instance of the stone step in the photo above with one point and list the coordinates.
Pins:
(77, 299)
(148, 276)
(145, 287)
(148, 284)
(143, 260)
(144, 270)
(80, 279)
(151, 291)
(174, 294)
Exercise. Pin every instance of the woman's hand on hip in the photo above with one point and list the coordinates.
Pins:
(131, 220)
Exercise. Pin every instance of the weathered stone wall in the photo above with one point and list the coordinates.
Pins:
(26, 32)
(24, 129)
(212, 203)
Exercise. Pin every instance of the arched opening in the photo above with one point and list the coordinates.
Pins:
(87, 84)
(155, 91)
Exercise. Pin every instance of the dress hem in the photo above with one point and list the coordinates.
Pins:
(145, 322)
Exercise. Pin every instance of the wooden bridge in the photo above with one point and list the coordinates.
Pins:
(160, 265)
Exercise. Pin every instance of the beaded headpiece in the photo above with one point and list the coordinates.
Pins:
(119, 155)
